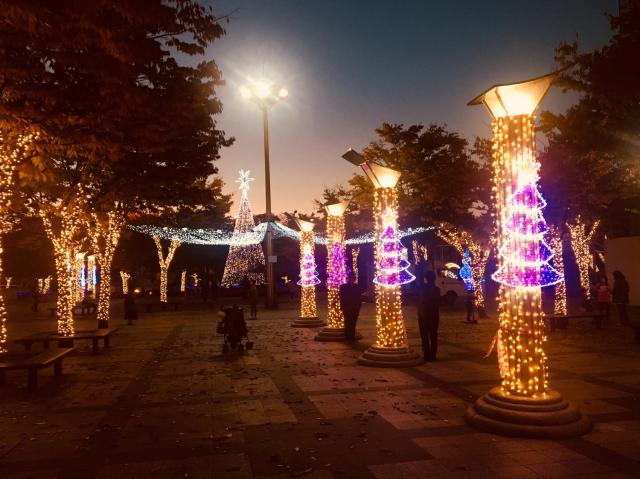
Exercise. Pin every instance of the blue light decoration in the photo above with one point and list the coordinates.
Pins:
(94, 276)
(466, 274)
(392, 266)
(525, 254)
(82, 278)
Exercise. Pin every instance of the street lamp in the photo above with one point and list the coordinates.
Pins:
(308, 278)
(265, 94)
(523, 405)
(391, 348)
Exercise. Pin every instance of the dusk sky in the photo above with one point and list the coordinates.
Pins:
(350, 65)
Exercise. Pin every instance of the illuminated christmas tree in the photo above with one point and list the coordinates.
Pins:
(244, 256)
(308, 273)
(392, 266)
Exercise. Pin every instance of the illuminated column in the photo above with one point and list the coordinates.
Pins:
(308, 279)
(124, 277)
(523, 405)
(183, 281)
(164, 264)
(336, 273)
(560, 293)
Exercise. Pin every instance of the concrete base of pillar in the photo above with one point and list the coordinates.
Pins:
(380, 357)
(547, 417)
(333, 334)
(307, 323)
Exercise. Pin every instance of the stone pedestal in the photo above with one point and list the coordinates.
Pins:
(546, 417)
(381, 357)
(307, 323)
(333, 334)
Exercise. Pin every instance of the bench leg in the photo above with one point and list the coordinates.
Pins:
(95, 346)
(106, 342)
(32, 384)
(3, 379)
(57, 367)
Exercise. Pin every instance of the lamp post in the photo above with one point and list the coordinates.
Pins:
(264, 94)
(391, 348)
(308, 279)
(523, 405)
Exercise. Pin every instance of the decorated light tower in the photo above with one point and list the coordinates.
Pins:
(243, 258)
(391, 348)
(336, 273)
(308, 279)
(524, 404)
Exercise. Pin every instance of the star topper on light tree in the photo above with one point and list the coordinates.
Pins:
(391, 348)
(524, 405)
(308, 279)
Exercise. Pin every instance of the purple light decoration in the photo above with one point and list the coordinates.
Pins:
(466, 274)
(525, 254)
(308, 273)
(337, 273)
(392, 267)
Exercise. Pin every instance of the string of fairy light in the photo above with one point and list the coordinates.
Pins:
(165, 261)
(308, 275)
(581, 236)
(355, 252)
(335, 266)
(560, 293)
(124, 278)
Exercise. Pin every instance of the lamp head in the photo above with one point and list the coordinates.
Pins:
(380, 176)
(304, 225)
(510, 99)
(336, 209)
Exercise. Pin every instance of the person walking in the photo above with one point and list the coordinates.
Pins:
(350, 303)
(252, 297)
(429, 315)
(620, 296)
(603, 296)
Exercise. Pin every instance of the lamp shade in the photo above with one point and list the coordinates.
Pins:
(520, 98)
(336, 209)
(304, 225)
(381, 176)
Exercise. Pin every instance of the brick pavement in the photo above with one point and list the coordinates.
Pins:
(163, 403)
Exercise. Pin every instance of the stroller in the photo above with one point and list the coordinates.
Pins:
(234, 328)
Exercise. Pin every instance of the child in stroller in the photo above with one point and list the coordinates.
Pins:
(234, 328)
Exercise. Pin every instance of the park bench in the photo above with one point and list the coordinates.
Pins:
(95, 335)
(561, 321)
(33, 362)
(28, 341)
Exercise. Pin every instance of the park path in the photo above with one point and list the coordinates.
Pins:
(163, 403)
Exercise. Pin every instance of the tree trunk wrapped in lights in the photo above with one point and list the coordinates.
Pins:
(124, 278)
(183, 281)
(164, 265)
(477, 257)
(308, 278)
(355, 252)
(560, 293)
(581, 237)
(64, 225)
(105, 237)
(524, 404)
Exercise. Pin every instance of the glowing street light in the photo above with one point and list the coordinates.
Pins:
(308, 279)
(265, 94)
(391, 348)
(524, 404)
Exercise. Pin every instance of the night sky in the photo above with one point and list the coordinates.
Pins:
(350, 65)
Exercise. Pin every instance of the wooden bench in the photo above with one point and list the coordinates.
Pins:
(94, 335)
(28, 341)
(32, 363)
(561, 321)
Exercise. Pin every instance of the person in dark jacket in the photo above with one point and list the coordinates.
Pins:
(620, 296)
(350, 303)
(130, 309)
(429, 315)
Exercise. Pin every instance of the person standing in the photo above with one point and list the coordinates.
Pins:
(252, 297)
(620, 296)
(470, 307)
(429, 315)
(350, 303)
(603, 296)
(35, 295)
(130, 309)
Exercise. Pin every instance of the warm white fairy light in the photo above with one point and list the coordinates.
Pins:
(164, 265)
(335, 263)
(581, 236)
(183, 281)
(196, 279)
(7, 281)
(79, 273)
(308, 274)
(44, 284)
(91, 273)
(124, 278)
(560, 294)
(355, 252)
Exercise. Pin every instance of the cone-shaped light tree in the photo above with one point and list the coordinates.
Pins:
(308, 278)
(243, 258)
(391, 348)
(524, 404)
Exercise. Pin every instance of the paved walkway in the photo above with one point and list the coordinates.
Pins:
(164, 403)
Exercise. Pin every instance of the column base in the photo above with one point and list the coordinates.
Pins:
(380, 357)
(307, 323)
(547, 417)
(333, 334)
